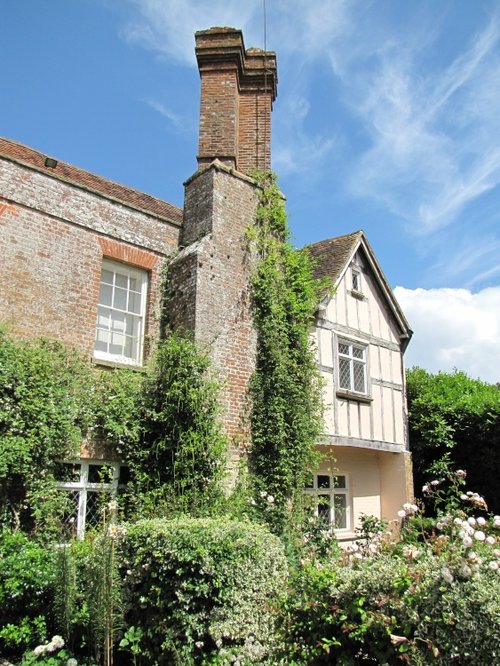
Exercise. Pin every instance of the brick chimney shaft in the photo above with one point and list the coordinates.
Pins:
(238, 88)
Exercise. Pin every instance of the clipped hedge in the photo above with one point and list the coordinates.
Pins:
(203, 590)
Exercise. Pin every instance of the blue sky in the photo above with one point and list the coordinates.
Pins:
(387, 120)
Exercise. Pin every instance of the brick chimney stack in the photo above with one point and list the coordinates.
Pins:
(238, 88)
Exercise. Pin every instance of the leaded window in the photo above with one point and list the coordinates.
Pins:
(352, 367)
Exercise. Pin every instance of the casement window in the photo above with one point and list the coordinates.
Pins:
(356, 280)
(352, 367)
(330, 499)
(121, 313)
(86, 485)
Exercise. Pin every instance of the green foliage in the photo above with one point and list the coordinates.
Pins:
(389, 611)
(429, 597)
(40, 419)
(162, 422)
(286, 415)
(26, 591)
(180, 457)
(455, 419)
(202, 590)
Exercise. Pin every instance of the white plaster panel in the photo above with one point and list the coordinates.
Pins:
(398, 412)
(377, 412)
(365, 427)
(354, 419)
(343, 418)
(328, 398)
(387, 414)
(325, 342)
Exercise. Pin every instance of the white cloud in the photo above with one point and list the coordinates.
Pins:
(167, 26)
(454, 328)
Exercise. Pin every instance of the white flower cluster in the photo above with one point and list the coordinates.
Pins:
(475, 499)
(408, 510)
(116, 531)
(56, 643)
(269, 498)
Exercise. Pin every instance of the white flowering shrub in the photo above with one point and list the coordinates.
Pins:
(203, 590)
(429, 597)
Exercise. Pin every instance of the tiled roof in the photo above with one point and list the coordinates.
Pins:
(332, 254)
(107, 188)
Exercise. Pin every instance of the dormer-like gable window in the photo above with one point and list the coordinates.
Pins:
(356, 280)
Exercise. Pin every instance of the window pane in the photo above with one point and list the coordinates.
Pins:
(118, 322)
(344, 373)
(134, 302)
(121, 281)
(103, 318)
(107, 277)
(134, 284)
(131, 347)
(359, 377)
(106, 294)
(67, 472)
(340, 511)
(100, 474)
(339, 482)
(309, 482)
(357, 352)
(323, 481)
(69, 508)
(93, 514)
(117, 344)
(120, 299)
(324, 508)
(343, 349)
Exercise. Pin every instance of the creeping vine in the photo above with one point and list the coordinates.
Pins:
(286, 414)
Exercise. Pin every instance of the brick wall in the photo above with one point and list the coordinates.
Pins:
(53, 237)
(238, 88)
(214, 271)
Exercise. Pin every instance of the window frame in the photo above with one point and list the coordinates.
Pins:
(130, 271)
(356, 283)
(316, 491)
(84, 487)
(352, 360)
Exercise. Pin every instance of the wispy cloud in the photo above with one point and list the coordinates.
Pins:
(176, 120)
(434, 138)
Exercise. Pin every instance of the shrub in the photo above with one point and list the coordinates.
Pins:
(26, 591)
(391, 611)
(202, 590)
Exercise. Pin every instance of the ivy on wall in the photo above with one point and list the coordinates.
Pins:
(286, 414)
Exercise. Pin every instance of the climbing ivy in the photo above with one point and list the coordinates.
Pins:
(286, 413)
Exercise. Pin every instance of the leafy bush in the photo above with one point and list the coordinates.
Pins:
(430, 597)
(202, 590)
(40, 420)
(26, 591)
(389, 611)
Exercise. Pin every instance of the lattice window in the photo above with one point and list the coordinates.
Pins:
(86, 485)
(352, 367)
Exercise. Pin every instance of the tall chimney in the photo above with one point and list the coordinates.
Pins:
(238, 88)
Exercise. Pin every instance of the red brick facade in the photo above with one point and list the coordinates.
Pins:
(58, 223)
